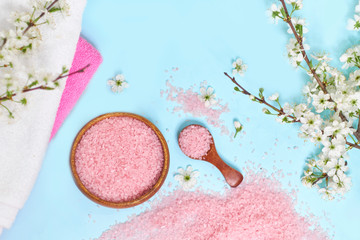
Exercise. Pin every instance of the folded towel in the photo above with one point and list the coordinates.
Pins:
(24, 142)
(76, 84)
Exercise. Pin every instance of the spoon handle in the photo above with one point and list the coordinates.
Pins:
(232, 176)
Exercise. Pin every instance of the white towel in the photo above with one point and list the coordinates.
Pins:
(24, 142)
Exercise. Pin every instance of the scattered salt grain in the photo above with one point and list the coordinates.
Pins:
(189, 102)
(195, 141)
(119, 159)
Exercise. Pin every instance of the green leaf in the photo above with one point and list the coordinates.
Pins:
(9, 94)
(237, 89)
(300, 30)
(266, 111)
(65, 70)
(311, 63)
(261, 91)
(54, 9)
(23, 101)
(33, 84)
(48, 88)
(357, 25)
(283, 12)
(25, 48)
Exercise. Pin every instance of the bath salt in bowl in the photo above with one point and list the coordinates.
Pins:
(195, 141)
(119, 160)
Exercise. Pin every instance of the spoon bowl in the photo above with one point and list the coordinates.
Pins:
(232, 176)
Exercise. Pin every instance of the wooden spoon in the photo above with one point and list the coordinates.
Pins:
(232, 176)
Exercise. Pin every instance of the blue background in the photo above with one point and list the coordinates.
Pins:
(142, 39)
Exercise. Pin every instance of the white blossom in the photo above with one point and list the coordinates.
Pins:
(187, 178)
(354, 24)
(327, 194)
(294, 51)
(274, 12)
(296, 3)
(338, 128)
(20, 20)
(207, 96)
(311, 122)
(317, 137)
(307, 181)
(334, 148)
(321, 57)
(341, 183)
(321, 101)
(355, 78)
(274, 97)
(65, 7)
(350, 57)
(118, 83)
(239, 67)
(357, 8)
(288, 109)
(237, 125)
(299, 25)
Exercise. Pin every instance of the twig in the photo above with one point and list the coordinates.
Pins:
(44, 87)
(3, 44)
(353, 145)
(324, 175)
(261, 100)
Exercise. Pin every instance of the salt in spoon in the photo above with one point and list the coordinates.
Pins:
(232, 176)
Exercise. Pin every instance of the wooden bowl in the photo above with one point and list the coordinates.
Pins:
(138, 200)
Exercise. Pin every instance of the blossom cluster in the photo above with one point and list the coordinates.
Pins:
(327, 117)
(354, 23)
(24, 36)
(331, 109)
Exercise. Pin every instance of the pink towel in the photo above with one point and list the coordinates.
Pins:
(76, 84)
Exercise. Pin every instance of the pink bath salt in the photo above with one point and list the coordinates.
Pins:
(119, 159)
(257, 209)
(195, 141)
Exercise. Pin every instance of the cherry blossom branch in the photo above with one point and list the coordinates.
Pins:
(299, 39)
(280, 111)
(33, 23)
(43, 87)
(262, 100)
